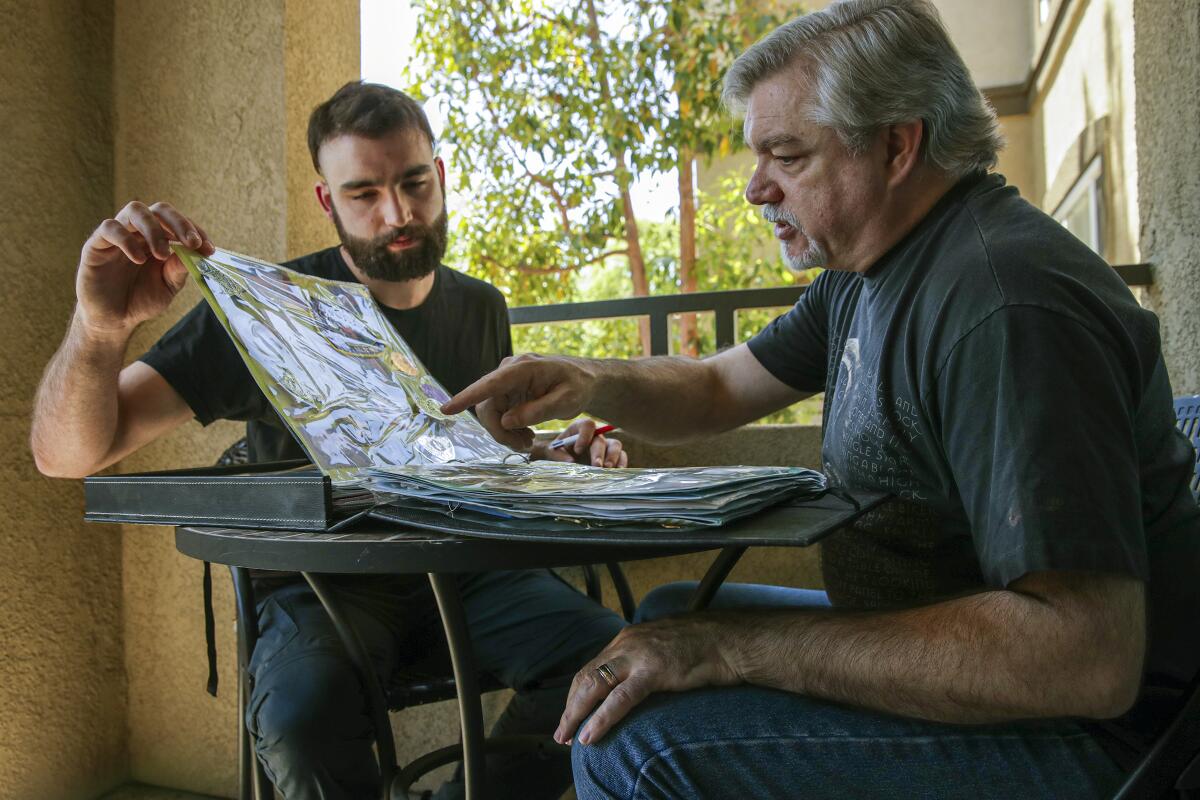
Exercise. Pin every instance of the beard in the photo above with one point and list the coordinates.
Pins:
(813, 256)
(376, 261)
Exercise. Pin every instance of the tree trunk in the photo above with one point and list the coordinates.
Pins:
(637, 264)
(689, 337)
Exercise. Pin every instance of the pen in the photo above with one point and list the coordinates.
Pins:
(570, 440)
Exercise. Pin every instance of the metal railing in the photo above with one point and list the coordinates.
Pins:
(724, 306)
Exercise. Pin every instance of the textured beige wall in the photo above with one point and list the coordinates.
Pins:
(1017, 162)
(62, 688)
(1168, 133)
(321, 53)
(204, 102)
(995, 38)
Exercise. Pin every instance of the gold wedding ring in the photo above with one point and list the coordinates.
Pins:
(606, 672)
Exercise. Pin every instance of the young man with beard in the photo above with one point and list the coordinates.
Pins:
(384, 190)
(1020, 620)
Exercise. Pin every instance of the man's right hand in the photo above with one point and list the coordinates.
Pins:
(127, 272)
(524, 391)
(89, 411)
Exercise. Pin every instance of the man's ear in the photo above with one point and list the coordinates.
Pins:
(324, 197)
(903, 149)
(441, 170)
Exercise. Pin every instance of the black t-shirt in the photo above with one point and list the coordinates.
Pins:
(460, 333)
(997, 376)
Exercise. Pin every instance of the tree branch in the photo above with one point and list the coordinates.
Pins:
(525, 269)
(558, 199)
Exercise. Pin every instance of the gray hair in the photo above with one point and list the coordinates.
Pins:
(875, 63)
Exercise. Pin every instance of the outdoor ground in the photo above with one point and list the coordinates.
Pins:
(137, 791)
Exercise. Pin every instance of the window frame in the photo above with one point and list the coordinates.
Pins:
(1089, 184)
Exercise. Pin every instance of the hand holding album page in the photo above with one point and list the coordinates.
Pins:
(338, 374)
(368, 414)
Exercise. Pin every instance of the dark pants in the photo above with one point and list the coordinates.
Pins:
(309, 714)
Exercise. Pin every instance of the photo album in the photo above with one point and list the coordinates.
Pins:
(367, 413)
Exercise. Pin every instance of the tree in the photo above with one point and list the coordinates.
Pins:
(555, 107)
(701, 44)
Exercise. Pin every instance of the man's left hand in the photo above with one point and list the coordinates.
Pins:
(668, 655)
(589, 448)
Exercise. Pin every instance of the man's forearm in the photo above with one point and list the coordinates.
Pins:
(994, 656)
(75, 413)
(664, 399)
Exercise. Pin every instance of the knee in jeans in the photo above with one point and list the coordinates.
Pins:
(665, 600)
(600, 770)
(305, 704)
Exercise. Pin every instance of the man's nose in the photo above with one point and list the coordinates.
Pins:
(761, 190)
(396, 212)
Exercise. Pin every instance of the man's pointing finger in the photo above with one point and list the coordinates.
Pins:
(493, 384)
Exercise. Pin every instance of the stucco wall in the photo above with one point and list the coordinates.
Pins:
(62, 689)
(321, 53)
(1168, 133)
(1018, 163)
(994, 38)
(205, 96)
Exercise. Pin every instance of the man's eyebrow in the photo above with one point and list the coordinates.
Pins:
(419, 169)
(364, 183)
(771, 142)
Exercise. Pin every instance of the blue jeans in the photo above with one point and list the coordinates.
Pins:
(308, 713)
(748, 741)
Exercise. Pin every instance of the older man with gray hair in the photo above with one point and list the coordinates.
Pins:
(1015, 623)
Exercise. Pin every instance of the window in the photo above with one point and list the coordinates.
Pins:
(1082, 210)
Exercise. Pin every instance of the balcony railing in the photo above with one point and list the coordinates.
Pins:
(724, 306)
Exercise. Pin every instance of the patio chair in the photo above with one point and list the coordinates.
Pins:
(1187, 417)
(406, 690)
(1171, 769)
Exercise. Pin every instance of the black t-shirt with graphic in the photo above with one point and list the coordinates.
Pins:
(997, 376)
(460, 333)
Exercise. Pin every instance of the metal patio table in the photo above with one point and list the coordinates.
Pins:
(461, 548)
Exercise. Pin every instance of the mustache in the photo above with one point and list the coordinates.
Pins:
(412, 231)
(774, 213)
